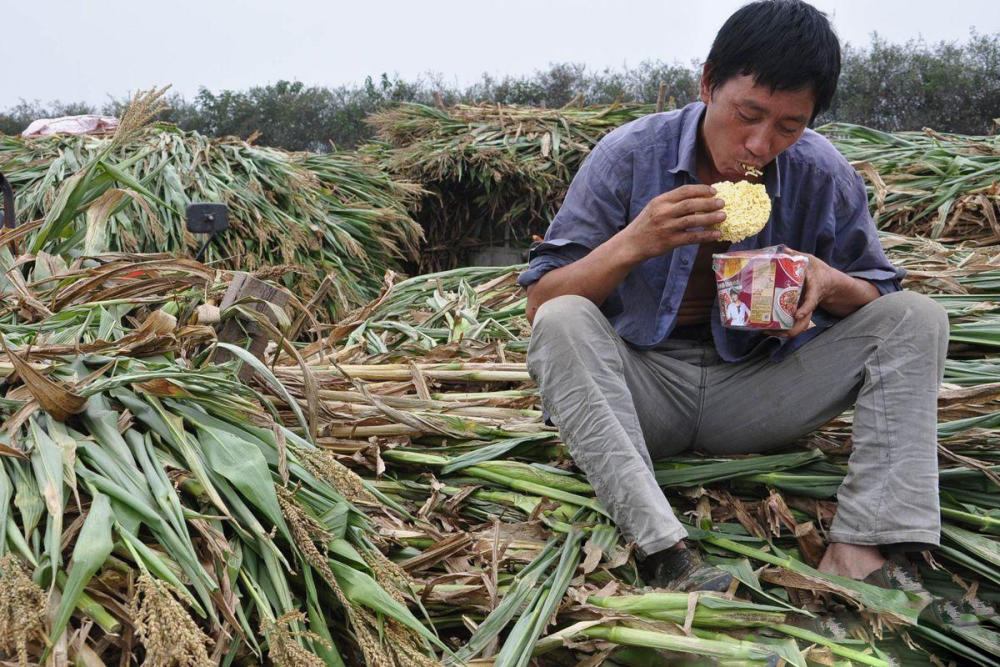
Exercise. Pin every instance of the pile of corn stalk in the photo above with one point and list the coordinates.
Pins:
(927, 183)
(385, 492)
(326, 214)
(153, 507)
(424, 392)
(495, 175)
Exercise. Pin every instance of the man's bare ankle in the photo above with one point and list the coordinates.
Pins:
(851, 560)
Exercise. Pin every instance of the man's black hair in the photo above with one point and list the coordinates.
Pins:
(784, 44)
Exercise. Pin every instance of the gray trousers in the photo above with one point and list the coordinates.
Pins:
(618, 409)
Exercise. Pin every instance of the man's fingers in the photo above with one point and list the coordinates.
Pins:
(705, 236)
(806, 308)
(698, 220)
(794, 331)
(804, 311)
(810, 299)
(687, 192)
(802, 319)
(663, 210)
(803, 315)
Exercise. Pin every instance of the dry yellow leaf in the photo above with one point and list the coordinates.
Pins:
(53, 396)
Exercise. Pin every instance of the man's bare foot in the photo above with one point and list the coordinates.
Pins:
(855, 561)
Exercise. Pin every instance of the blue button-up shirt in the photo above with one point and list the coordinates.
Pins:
(819, 206)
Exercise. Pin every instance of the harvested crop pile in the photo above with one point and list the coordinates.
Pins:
(927, 183)
(496, 174)
(424, 392)
(153, 508)
(385, 492)
(388, 484)
(326, 214)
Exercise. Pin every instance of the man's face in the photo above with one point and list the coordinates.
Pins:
(747, 123)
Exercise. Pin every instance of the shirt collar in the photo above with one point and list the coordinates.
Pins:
(772, 177)
(687, 144)
(687, 151)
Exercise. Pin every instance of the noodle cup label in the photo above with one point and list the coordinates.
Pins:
(759, 289)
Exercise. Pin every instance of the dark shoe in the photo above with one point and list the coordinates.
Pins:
(683, 570)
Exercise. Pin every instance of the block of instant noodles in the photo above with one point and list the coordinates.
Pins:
(759, 289)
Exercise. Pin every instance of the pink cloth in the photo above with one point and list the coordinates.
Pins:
(70, 125)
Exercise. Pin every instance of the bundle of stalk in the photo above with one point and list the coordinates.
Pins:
(152, 509)
(496, 175)
(328, 214)
(964, 278)
(927, 183)
(424, 392)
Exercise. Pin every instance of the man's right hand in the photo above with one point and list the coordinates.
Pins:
(667, 222)
(672, 220)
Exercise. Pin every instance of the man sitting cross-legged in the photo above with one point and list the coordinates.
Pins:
(627, 345)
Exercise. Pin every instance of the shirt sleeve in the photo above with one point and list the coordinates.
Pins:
(594, 210)
(857, 250)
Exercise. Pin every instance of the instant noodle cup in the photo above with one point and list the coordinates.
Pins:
(759, 289)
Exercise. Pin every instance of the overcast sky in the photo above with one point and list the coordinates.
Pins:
(74, 50)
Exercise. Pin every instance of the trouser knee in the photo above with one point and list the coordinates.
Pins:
(568, 313)
(916, 312)
(560, 325)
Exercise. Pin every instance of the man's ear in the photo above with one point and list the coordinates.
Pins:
(705, 88)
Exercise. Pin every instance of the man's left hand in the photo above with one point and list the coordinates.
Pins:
(820, 281)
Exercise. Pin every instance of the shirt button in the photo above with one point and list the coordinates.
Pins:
(668, 308)
(684, 261)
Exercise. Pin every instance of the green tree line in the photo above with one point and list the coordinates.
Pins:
(952, 87)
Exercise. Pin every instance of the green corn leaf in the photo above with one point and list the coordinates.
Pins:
(244, 466)
(517, 649)
(362, 589)
(93, 546)
(27, 499)
(171, 429)
(265, 373)
(122, 177)
(47, 461)
(513, 602)
(6, 492)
